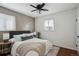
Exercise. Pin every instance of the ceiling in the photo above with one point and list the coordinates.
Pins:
(25, 8)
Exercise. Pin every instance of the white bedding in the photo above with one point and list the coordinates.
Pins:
(49, 46)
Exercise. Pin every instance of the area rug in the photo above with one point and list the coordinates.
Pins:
(54, 51)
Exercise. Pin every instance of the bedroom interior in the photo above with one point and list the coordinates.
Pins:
(39, 29)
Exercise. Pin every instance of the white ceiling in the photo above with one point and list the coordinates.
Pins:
(25, 8)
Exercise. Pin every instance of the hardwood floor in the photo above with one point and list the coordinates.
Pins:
(67, 52)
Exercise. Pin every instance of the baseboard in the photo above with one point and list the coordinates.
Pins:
(66, 47)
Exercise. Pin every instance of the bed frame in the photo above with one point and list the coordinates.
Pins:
(11, 33)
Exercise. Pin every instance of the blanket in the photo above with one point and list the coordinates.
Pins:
(38, 47)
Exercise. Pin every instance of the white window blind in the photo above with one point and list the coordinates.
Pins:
(46, 25)
(49, 25)
(7, 22)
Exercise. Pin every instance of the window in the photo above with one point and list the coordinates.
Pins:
(49, 25)
(7, 22)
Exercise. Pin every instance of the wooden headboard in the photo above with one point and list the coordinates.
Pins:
(11, 33)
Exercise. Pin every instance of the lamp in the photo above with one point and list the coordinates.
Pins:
(5, 36)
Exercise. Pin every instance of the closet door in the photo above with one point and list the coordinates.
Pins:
(77, 21)
(77, 41)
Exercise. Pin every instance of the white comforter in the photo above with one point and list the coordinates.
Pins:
(31, 53)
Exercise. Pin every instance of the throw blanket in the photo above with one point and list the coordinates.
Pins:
(24, 48)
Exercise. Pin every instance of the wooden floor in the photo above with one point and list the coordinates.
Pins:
(67, 52)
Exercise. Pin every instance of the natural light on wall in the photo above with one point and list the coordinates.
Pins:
(7, 22)
(49, 25)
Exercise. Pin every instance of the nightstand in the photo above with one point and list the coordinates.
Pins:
(5, 47)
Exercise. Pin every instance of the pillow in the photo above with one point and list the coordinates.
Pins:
(13, 40)
(22, 37)
(17, 37)
(25, 35)
(34, 34)
(26, 38)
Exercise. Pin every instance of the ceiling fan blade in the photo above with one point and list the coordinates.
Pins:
(42, 5)
(33, 6)
(44, 9)
(33, 10)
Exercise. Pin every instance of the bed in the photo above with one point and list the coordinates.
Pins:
(31, 47)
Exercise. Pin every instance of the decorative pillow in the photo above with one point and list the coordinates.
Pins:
(26, 38)
(34, 34)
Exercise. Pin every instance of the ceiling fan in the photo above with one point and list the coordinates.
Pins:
(39, 8)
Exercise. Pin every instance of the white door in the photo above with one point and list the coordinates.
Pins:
(77, 41)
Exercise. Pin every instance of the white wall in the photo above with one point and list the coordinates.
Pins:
(64, 34)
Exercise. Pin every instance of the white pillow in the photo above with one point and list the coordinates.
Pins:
(34, 33)
(29, 34)
(18, 37)
(14, 40)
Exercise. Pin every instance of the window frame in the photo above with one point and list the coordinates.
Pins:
(48, 25)
(5, 17)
